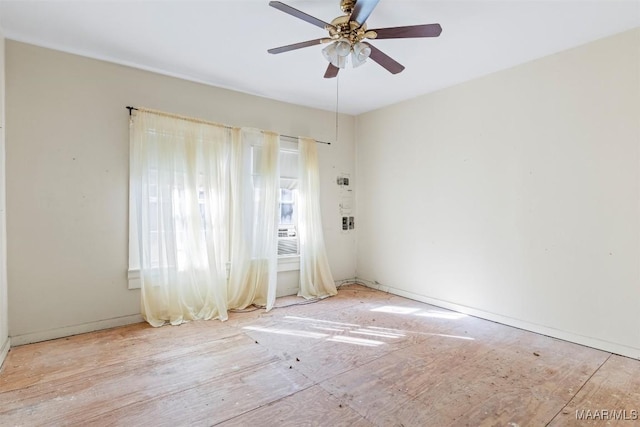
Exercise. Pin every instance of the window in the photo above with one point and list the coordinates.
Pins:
(173, 191)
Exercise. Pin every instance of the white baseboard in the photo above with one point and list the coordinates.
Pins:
(66, 331)
(4, 350)
(592, 342)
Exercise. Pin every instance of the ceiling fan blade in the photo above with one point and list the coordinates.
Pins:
(300, 45)
(298, 14)
(383, 59)
(332, 71)
(427, 30)
(362, 10)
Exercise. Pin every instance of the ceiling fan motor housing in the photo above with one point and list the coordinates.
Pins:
(344, 28)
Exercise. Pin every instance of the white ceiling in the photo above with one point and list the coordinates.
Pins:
(224, 43)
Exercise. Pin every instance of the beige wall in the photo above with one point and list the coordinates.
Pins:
(67, 180)
(514, 197)
(4, 309)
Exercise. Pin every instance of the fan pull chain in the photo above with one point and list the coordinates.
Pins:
(337, 99)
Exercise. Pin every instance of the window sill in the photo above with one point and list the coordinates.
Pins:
(285, 263)
(135, 281)
(288, 263)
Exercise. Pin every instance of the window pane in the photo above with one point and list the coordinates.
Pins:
(286, 213)
(286, 195)
(288, 164)
(287, 206)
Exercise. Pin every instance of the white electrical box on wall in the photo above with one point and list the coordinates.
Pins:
(346, 203)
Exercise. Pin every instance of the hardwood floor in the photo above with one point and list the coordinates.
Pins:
(361, 358)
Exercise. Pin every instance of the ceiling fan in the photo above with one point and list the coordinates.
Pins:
(347, 35)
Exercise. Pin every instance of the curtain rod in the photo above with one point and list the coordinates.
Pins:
(177, 116)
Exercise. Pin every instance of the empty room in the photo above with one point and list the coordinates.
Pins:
(331, 213)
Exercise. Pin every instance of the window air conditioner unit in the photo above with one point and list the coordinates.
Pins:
(287, 241)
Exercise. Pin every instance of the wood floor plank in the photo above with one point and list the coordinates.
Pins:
(56, 359)
(312, 343)
(611, 397)
(379, 389)
(456, 381)
(101, 390)
(310, 407)
(325, 360)
(512, 385)
(209, 403)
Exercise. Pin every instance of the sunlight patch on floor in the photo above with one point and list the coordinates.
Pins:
(342, 332)
(280, 331)
(307, 319)
(377, 333)
(354, 340)
(394, 309)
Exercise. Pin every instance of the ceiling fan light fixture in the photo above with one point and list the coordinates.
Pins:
(361, 52)
(340, 62)
(343, 48)
(329, 52)
(335, 53)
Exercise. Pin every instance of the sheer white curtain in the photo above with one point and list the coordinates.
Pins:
(180, 181)
(204, 194)
(254, 220)
(316, 280)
